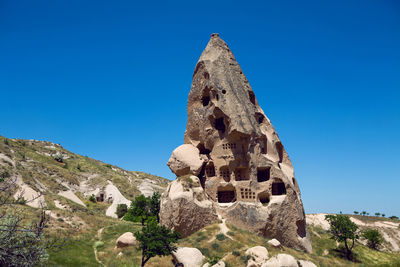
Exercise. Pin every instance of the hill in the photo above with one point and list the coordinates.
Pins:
(66, 181)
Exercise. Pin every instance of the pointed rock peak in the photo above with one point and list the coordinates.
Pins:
(243, 167)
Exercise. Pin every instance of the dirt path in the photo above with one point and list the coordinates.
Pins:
(95, 248)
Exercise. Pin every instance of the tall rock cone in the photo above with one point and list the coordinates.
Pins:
(245, 171)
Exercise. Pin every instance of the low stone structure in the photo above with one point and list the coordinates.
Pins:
(245, 170)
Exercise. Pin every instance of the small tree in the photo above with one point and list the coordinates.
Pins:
(139, 207)
(154, 205)
(363, 213)
(155, 240)
(121, 210)
(342, 230)
(373, 237)
(377, 214)
(383, 215)
(394, 217)
(355, 212)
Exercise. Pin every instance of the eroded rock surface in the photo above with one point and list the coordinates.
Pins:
(246, 172)
(185, 206)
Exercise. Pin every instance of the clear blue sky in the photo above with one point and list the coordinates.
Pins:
(110, 80)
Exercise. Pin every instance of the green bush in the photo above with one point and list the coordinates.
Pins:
(220, 237)
(374, 238)
(92, 198)
(121, 210)
(236, 253)
(213, 260)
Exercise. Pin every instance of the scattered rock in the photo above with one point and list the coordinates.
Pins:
(190, 257)
(185, 159)
(304, 263)
(274, 243)
(125, 240)
(258, 254)
(281, 260)
(185, 207)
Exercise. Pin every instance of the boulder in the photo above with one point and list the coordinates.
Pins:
(274, 243)
(185, 159)
(185, 206)
(190, 257)
(281, 260)
(125, 240)
(258, 255)
(231, 145)
(304, 263)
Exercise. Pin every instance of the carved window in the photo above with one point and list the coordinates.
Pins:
(246, 193)
(278, 188)
(224, 173)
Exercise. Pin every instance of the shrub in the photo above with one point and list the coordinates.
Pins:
(373, 237)
(236, 253)
(92, 198)
(215, 246)
(245, 259)
(6, 141)
(231, 233)
(394, 217)
(121, 210)
(220, 237)
(213, 261)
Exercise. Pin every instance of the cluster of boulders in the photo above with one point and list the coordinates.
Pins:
(257, 257)
(232, 153)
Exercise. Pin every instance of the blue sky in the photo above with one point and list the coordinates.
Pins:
(110, 80)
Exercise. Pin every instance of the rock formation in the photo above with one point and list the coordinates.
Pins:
(245, 172)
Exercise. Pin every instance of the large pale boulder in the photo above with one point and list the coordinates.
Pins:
(246, 173)
(185, 206)
(190, 257)
(125, 240)
(304, 263)
(281, 260)
(258, 255)
(185, 159)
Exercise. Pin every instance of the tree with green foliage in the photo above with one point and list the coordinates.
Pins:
(377, 214)
(355, 212)
(121, 210)
(374, 238)
(363, 213)
(383, 215)
(155, 240)
(394, 217)
(154, 205)
(140, 208)
(343, 230)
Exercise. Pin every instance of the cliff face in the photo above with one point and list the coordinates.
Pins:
(246, 171)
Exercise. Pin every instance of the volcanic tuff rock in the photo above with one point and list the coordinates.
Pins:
(246, 173)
